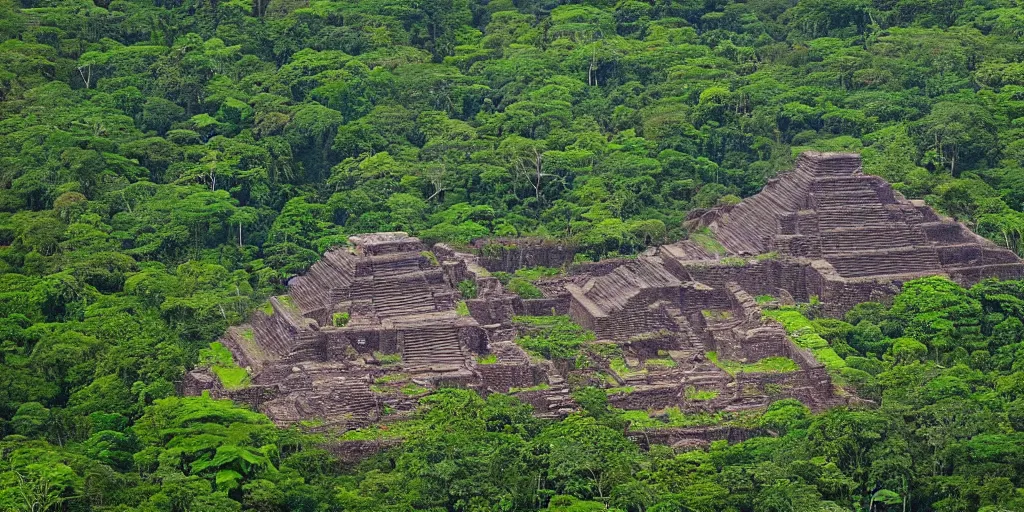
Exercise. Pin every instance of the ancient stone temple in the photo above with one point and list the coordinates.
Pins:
(373, 326)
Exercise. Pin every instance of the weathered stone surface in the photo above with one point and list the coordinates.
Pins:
(372, 326)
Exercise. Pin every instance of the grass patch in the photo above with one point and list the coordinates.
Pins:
(289, 304)
(767, 256)
(661, 363)
(524, 289)
(764, 299)
(535, 273)
(803, 333)
(700, 395)
(411, 389)
(248, 334)
(706, 239)
(461, 308)
(487, 359)
(539, 387)
(394, 377)
(387, 359)
(674, 417)
(267, 308)
(621, 390)
(430, 257)
(400, 429)
(670, 417)
(552, 337)
(618, 365)
(766, 365)
(734, 261)
(605, 350)
(218, 358)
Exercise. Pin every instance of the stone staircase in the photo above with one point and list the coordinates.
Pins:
(914, 260)
(614, 290)
(317, 288)
(338, 398)
(749, 223)
(431, 345)
(839, 217)
(892, 236)
(399, 297)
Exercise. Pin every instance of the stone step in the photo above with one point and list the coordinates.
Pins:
(431, 345)
(886, 262)
(876, 237)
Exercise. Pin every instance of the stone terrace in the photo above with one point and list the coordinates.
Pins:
(372, 326)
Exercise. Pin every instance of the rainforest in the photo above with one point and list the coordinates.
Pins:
(168, 165)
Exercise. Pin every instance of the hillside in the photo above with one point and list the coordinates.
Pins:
(168, 167)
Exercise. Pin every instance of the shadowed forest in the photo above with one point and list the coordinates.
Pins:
(167, 165)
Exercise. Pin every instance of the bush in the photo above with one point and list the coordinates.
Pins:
(553, 337)
(524, 289)
(340, 319)
(467, 287)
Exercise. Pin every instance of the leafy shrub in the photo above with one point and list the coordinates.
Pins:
(524, 289)
(553, 337)
(340, 319)
(467, 287)
(219, 360)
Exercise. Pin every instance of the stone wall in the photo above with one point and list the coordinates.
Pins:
(511, 254)
(354, 451)
(598, 268)
(705, 435)
(648, 397)
(500, 377)
(543, 307)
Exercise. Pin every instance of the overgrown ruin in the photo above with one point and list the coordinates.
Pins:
(372, 327)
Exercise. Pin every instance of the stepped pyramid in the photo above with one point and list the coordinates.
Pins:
(824, 229)
(399, 306)
(852, 225)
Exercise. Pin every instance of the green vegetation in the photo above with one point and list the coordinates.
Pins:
(803, 332)
(766, 365)
(461, 308)
(467, 287)
(267, 308)
(218, 359)
(486, 359)
(717, 314)
(248, 334)
(539, 387)
(524, 289)
(706, 239)
(391, 378)
(620, 390)
(667, 362)
(734, 261)
(387, 359)
(552, 337)
(340, 319)
(618, 365)
(700, 394)
(535, 273)
(411, 389)
(167, 166)
(431, 258)
(670, 417)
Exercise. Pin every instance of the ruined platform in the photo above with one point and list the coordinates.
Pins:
(373, 326)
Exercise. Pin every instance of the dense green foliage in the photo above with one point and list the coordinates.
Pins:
(165, 165)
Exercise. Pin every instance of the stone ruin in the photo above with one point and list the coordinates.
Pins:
(374, 326)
